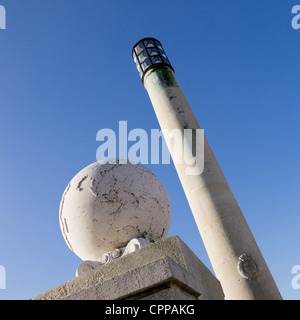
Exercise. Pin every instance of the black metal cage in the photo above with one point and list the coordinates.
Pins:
(148, 53)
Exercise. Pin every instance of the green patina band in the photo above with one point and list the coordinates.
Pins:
(162, 77)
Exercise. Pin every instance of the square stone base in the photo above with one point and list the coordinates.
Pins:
(164, 270)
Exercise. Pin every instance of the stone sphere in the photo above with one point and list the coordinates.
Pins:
(106, 205)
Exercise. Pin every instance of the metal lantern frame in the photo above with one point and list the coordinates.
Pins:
(148, 53)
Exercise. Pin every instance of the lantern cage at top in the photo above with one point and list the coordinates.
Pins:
(148, 53)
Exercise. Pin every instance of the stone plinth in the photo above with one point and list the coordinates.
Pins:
(164, 270)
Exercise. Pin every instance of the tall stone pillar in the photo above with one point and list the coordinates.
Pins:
(232, 249)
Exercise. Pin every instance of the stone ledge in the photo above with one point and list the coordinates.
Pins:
(141, 282)
(162, 265)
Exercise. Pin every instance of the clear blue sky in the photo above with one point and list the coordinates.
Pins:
(66, 72)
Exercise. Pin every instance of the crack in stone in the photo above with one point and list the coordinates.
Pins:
(80, 183)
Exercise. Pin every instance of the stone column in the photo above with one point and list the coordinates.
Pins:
(232, 249)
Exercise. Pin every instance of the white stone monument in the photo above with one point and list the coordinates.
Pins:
(116, 218)
(109, 210)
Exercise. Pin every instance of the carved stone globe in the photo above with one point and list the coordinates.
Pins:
(106, 205)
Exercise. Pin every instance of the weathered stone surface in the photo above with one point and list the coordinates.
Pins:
(106, 205)
(166, 268)
(224, 230)
(141, 281)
